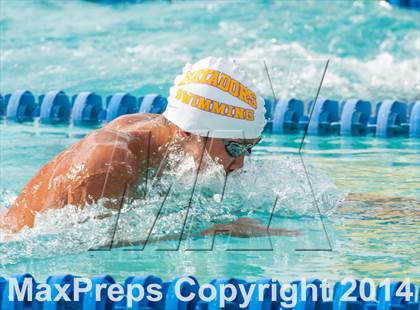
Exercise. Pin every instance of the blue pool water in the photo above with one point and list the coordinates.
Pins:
(77, 46)
(368, 239)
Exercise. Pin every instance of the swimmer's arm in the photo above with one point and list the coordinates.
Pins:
(16, 217)
(248, 228)
(112, 169)
(241, 228)
(111, 186)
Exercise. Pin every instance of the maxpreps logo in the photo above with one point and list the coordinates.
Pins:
(226, 84)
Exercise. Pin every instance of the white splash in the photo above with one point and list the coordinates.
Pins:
(249, 191)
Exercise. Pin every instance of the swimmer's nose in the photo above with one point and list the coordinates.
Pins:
(236, 164)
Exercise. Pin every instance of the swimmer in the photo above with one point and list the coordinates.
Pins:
(212, 107)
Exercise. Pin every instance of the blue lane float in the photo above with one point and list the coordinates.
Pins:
(217, 283)
(268, 104)
(268, 301)
(55, 108)
(374, 118)
(391, 118)
(396, 296)
(28, 302)
(120, 104)
(269, 110)
(87, 109)
(395, 302)
(89, 299)
(354, 117)
(153, 103)
(171, 300)
(341, 290)
(414, 127)
(286, 116)
(20, 106)
(413, 4)
(391, 115)
(2, 105)
(53, 282)
(325, 113)
(143, 281)
(308, 302)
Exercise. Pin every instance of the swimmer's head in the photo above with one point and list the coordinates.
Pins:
(215, 100)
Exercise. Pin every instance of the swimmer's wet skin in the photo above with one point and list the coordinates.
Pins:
(111, 162)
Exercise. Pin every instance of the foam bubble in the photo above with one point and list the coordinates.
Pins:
(248, 192)
(297, 71)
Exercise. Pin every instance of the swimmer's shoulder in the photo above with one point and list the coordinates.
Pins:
(133, 122)
(132, 129)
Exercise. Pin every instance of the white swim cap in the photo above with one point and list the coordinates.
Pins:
(214, 98)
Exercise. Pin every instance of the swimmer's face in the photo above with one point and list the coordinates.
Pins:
(230, 153)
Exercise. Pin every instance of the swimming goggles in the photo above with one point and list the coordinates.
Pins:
(236, 149)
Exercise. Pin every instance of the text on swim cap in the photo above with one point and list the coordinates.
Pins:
(213, 106)
(223, 82)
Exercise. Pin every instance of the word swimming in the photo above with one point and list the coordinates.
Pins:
(213, 106)
(223, 82)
